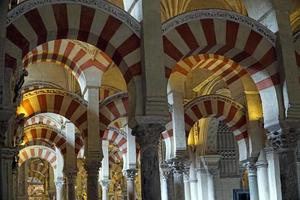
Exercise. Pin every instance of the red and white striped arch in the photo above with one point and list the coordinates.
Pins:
(42, 119)
(106, 92)
(112, 109)
(55, 101)
(70, 55)
(224, 109)
(40, 143)
(41, 152)
(44, 22)
(221, 66)
(47, 134)
(115, 137)
(244, 41)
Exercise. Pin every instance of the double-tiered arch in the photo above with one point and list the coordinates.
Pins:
(103, 25)
(243, 40)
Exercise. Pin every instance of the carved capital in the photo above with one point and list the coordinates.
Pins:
(165, 170)
(251, 168)
(130, 174)
(286, 138)
(148, 134)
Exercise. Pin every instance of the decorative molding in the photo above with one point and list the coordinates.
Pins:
(130, 174)
(219, 14)
(104, 6)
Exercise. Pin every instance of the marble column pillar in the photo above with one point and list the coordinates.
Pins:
(59, 186)
(186, 180)
(262, 176)
(130, 177)
(202, 183)
(288, 174)
(93, 143)
(3, 13)
(147, 136)
(6, 177)
(92, 172)
(178, 169)
(273, 174)
(167, 183)
(22, 183)
(252, 179)
(71, 182)
(105, 187)
(193, 182)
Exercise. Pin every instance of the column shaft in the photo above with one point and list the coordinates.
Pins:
(210, 186)
(252, 179)
(288, 175)
(274, 174)
(130, 176)
(71, 182)
(93, 144)
(187, 188)
(105, 185)
(148, 136)
(262, 176)
(6, 176)
(59, 186)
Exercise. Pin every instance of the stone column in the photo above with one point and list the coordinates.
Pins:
(212, 166)
(59, 185)
(3, 13)
(180, 143)
(193, 181)
(285, 145)
(148, 136)
(93, 143)
(71, 182)
(130, 177)
(70, 167)
(202, 183)
(167, 183)
(288, 174)
(273, 174)
(92, 172)
(22, 183)
(105, 187)
(262, 176)
(6, 158)
(186, 180)
(252, 179)
(178, 169)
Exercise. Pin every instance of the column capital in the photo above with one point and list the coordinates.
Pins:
(165, 170)
(148, 133)
(285, 138)
(251, 168)
(130, 174)
(177, 165)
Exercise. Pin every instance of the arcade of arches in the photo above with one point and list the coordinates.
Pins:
(132, 99)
